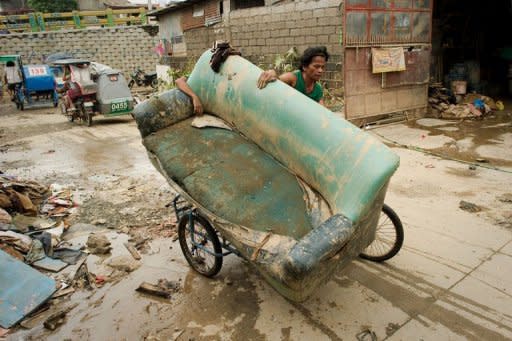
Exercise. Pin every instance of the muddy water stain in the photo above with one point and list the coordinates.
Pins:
(486, 132)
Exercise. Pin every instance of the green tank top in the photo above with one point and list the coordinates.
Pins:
(300, 85)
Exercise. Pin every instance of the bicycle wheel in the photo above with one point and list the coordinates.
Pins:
(202, 252)
(389, 237)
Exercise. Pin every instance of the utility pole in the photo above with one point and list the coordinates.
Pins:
(150, 6)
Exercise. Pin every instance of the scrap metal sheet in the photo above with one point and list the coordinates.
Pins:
(22, 289)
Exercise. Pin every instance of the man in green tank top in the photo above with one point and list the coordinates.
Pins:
(305, 80)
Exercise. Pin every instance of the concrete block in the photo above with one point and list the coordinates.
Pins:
(294, 32)
(319, 13)
(312, 22)
(322, 39)
(334, 38)
(332, 12)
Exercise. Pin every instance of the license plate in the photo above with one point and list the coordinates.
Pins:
(120, 106)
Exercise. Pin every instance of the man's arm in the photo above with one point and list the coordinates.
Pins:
(181, 83)
(271, 75)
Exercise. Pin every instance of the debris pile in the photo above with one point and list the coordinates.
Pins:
(39, 245)
(32, 221)
(442, 104)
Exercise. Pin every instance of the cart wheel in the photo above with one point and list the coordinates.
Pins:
(205, 258)
(389, 237)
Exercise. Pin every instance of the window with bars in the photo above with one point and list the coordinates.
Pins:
(241, 4)
(374, 22)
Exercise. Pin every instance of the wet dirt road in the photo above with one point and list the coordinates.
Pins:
(451, 279)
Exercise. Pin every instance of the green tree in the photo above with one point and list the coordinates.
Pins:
(53, 6)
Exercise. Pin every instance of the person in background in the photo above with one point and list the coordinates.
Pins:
(306, 79)
(12, 78)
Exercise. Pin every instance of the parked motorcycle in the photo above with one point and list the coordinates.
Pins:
(141, 78)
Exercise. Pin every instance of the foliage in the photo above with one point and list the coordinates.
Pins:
(175, 73)
(287, 62)
(53, 6)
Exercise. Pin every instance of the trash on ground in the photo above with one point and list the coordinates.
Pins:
(444, 103)
(22, 289)
(507, 197)
(35, 253)
(50, 264)
(3, 332)
(366, 335)
(21, 242)
(163, 288)
(124, 263)
(98, 244)
(482, 160)
(57, 319)
(133, 251)
(63, 292)
(68, 255)
(12, 251)
(26, 223)
(5, 217)
(469, 206)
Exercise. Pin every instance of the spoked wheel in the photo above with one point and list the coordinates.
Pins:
(389, 237)
(200, 245)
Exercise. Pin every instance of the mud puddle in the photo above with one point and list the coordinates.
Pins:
(477, 141)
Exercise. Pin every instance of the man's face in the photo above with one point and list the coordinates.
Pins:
(316, 68)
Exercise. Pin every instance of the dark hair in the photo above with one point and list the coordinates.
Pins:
(10, 63)
(312, 52)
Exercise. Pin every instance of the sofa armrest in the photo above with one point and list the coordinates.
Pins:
(322, 243)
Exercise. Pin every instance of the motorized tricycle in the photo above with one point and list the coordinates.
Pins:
(94, 89)
(37, 87)
(79, 90)
(113, 96)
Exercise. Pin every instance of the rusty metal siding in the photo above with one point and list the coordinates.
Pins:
(368, 94)
(386, 23)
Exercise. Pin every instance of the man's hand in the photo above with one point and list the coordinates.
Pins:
(266, 77)
(198, 107)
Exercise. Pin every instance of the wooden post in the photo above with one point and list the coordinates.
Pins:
(34, 27)
(76, 19)
(40, 22)
(110, 17)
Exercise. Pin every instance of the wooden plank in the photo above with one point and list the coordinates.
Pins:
(152, 289)
(135, 254)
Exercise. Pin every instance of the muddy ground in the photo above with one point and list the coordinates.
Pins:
(451, 279)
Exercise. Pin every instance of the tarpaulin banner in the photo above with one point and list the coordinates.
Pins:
(388, 59)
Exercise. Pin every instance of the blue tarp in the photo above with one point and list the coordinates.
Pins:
(22, 289)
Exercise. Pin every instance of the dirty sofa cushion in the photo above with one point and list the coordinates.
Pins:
(232, 178)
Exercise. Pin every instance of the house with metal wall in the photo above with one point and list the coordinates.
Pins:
(384, 52)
